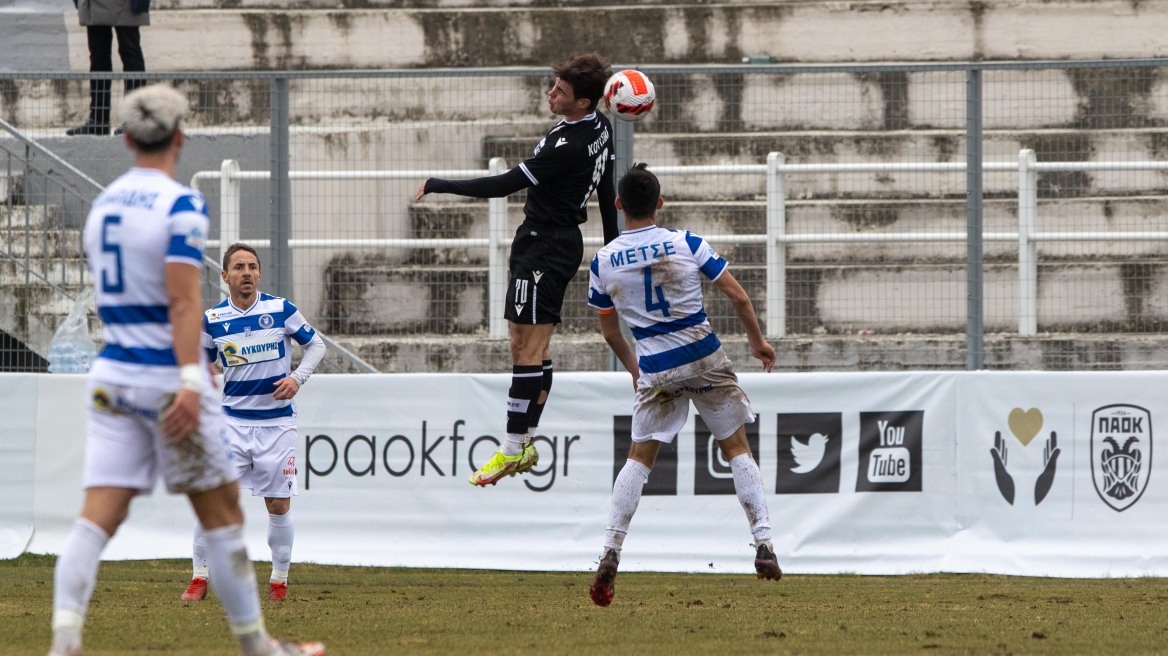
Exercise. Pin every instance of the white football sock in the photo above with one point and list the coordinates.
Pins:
(280, 534)
(626, 496)
(752, 496)
(199, 553)
(74, 578)
(233, 580)
(513, 444)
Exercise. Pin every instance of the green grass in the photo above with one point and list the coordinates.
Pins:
(360, 610)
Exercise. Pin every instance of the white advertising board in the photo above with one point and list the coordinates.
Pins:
(875, 473)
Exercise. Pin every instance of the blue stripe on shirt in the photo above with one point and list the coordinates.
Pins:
(149, 356)
(304, 335)
(680, 356)
(189, 203)
(273, 413)
(258, 387)
(239, 324)
(180, 248)
(599, 299)
(713, 267)
(123, 314)
(667, 327)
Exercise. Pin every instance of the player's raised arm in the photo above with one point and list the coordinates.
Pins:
(492, 186)
(759, 348)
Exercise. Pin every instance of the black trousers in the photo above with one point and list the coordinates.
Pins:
(101, 41)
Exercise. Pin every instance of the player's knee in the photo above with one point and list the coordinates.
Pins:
(278, 506)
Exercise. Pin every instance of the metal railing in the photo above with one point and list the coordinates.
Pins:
(775, 238)
(31, 146)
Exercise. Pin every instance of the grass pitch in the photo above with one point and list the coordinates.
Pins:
(358, 610)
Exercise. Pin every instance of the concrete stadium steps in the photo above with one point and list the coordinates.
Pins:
(37, 257)
(41, 243)
(19, 218)
(694, 102)
(924, 146)
(893, 352)
(32, 312)
(714, 219)
(370, 298)
(269, 35)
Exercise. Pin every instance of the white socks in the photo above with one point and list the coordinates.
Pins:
(513, 444)
(199, 557)
(752, 496)
(280, 534)
(73, 582)
(233, 578)
(626, 496)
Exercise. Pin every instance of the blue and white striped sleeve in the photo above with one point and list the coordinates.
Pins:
(295, 326)
(596, 297)
(188, 230)
(709, 262)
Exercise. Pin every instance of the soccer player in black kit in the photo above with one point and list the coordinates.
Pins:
(571, 162)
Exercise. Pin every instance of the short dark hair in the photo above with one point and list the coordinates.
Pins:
(586, 74)
(639, 190)
(235, 248)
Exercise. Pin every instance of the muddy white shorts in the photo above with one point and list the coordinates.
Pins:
(125, 447)
(660, 412)
(265, 457)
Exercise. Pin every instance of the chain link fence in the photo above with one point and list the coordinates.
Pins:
(841, 195)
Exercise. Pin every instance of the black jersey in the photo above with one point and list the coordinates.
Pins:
(566, 168)
(571, 162)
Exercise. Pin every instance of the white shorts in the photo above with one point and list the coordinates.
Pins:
(660, 412)
(125, 447)
(265, 457)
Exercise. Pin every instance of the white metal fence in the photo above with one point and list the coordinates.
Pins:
(1028, 235)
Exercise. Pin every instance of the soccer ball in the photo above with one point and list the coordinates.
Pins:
(629, 95)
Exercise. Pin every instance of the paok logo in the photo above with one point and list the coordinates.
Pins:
(890, 451)
(712, 474)
(809, 452)
(1121, 454)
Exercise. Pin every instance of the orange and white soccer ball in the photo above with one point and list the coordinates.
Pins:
(629, 95)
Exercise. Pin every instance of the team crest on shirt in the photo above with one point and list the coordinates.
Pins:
(101, 399)
(266, 321)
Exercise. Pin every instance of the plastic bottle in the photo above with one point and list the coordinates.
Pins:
(72, 349)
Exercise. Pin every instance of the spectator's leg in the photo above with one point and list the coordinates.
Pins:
(130, 51)
(101, 41)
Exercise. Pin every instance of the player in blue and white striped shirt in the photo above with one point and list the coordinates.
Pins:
(250, 336)
(652, 278)
(151, 409)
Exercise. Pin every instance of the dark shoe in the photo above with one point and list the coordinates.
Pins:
(767, 564)
(121, 129)
(603, 585)
(88, 128)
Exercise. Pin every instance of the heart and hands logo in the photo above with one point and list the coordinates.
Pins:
(1025, 426)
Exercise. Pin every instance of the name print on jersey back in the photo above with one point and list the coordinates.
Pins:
(641, 254)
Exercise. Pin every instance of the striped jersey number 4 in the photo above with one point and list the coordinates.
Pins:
(659, 303)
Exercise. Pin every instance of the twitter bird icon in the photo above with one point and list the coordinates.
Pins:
(808, 456)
